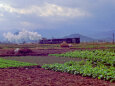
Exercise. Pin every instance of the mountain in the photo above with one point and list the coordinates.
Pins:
(107, 36)
(82, 37)
(107, 39)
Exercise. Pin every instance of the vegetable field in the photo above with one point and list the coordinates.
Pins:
(85, 69)
(99, 64)
(105, 57)
(81, 64)
(9, 63)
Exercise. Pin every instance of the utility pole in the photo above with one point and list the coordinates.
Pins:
(113, 38)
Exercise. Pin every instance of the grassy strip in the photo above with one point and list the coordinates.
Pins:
(105, 57)
(10, 63)
(85, 69)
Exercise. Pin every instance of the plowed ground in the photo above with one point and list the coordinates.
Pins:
(42, 77)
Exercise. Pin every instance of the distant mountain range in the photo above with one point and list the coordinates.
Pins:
(82, 37)
(107, 36)
(88, 39)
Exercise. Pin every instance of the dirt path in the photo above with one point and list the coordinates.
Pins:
(42, 77)
(40, 60)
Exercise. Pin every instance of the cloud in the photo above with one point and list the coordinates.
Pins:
(7, 7)
(25, 23)
(22, 36)
(46, 10)
(1, 15)
(29, 25)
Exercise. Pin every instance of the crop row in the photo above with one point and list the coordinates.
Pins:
(104, 57)
(84, 69)
(10, 63)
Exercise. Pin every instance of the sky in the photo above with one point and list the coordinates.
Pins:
(58, 18)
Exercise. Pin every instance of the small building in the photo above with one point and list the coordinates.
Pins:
(59, 41)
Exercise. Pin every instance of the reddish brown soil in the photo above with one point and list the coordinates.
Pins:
(42, 77)
(41, 52)
(35, 52)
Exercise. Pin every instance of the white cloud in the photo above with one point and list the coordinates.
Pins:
(7, 7)
(23, 36)
(30, 25)
(24, 23)
(1, 17)
(1, 14)
(46, 10)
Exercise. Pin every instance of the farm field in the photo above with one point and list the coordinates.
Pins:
(61, 64)
(42, 77)
(10, 63)
(45, 49)
(35, 52)
(56, 46)
(100, 64)
(42, 59)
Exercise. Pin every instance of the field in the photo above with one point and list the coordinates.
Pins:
(10, 64)
(85, 64)
(42, 59)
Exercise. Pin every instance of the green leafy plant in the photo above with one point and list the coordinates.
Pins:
(10, 63)
(85, 69)
(105, 57)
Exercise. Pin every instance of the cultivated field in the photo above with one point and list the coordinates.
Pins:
(42, 59)
(85, 64)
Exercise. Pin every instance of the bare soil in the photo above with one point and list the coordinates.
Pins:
(40, 60)
(41, 52)
(35, 52)
(42, 77)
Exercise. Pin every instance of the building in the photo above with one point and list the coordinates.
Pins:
(58, 41)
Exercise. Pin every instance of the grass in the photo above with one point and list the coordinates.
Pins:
(9, 63)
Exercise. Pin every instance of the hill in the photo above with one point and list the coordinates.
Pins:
(82, 37)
